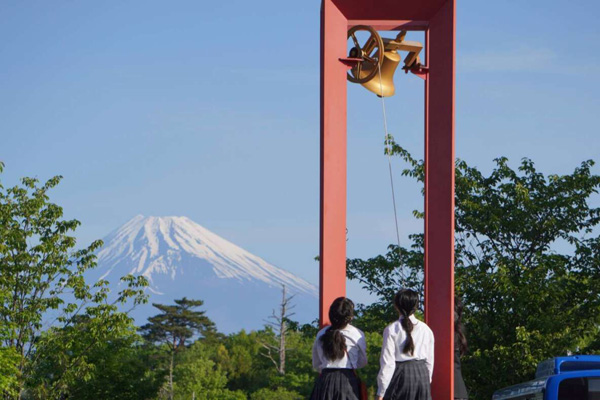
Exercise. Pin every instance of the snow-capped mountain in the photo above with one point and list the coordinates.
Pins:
(181, 258)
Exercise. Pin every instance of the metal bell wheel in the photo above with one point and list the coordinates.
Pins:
(371, 54)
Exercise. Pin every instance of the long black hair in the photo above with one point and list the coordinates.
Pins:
(341, 313)
(406, 302)
(459, 329)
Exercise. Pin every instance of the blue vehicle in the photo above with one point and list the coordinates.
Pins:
(559, 378)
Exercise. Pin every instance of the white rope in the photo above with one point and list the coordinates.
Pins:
(389, 157)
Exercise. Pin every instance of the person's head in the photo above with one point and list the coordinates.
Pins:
(459, 330)
(341, 313)
(406, 302)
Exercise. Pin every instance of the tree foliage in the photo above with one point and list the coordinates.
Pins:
(118, 367)
(42, 285)
(177, 323)
(275, 394)
(199, 377)
(527, 266)
(174, 326)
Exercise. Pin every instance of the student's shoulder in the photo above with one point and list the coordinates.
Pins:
(322, 331)
(426, 328)
(354, 331)
(393, 329)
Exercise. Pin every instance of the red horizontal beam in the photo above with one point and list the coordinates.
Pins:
(350, 62)
(391, 25)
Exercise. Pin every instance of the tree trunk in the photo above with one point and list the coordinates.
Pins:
(171, 394)
(282, 332)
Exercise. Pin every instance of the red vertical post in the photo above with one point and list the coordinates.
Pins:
(439, 196)
(333, 158)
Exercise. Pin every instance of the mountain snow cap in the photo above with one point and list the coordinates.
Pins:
(159, 246)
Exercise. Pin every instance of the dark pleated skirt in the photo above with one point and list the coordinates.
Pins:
(336, 384)
(409, 382)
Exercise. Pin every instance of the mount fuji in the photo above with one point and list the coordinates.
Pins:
(183, 259)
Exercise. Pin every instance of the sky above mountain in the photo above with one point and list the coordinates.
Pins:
(211, 110)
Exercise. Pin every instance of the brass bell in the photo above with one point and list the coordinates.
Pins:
(374, 72)
(384, 86)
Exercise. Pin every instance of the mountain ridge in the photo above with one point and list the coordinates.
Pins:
(181, 258)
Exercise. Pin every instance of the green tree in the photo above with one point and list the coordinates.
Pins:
(275, 394)
(174, 326)
(42, 276)
(241, 358)
(527, 267)
(116, 368)
(300, 376)
(9, 373)
(198, 377)
(369, 373)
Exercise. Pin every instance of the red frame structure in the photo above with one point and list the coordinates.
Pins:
(437, 19)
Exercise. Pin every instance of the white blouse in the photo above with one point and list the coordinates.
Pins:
(394, 337)
(356, 346)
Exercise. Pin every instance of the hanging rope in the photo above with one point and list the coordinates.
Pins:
(388, 150)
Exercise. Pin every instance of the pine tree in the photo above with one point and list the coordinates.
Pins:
(174, 326)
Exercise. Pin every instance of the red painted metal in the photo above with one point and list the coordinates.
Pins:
(334, 31)
(350, 62)
(439, 196)
(391, 25)
(386, 10)
(421, 71)
(437, 19)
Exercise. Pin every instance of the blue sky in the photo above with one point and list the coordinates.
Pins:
(211, 110)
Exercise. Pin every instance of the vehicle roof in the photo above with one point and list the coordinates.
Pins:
(521, 389)
(567, 365)
(557, 365)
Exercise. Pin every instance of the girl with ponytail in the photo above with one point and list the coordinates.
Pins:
(407, 354)
(339, 349)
